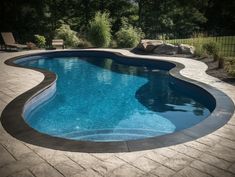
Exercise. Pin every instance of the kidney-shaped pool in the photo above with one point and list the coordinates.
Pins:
(111, 98)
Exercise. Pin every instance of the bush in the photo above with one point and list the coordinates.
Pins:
(40, 41)
(84, 44)
(113, 44)
(230, 66)
(128, 36)
(199, 51)
(69, 36)
(205, 47)
(211, 48)
(99, 32)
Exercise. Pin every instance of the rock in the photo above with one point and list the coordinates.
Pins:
(186, 49)
(148, 45)
(168, 49)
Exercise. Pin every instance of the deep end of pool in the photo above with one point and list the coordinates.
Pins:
(140, 105)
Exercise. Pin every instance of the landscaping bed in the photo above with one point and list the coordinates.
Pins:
(212, 70)
(221, 73)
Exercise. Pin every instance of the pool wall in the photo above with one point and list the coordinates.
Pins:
(220, 104)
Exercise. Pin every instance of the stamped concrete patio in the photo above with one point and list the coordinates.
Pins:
(211, 155)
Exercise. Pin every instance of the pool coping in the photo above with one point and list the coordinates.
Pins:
(14, 123)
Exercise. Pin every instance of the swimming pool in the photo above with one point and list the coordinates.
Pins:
(100, 99)
(107, 98)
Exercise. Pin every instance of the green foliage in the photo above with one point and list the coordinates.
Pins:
(99, 32)
(113, 44)
(224, 44)
(69, 36)
(179, 18)
(128, 36)
(84, 44)
(199, 51)
(230, 66)
(211, 48)
(40, 40)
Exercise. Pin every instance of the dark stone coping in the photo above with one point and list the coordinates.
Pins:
(222, 108)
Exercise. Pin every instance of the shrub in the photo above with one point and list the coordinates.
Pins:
(40, 40)
(99, 32)
(113, 44)
(69, 36)
(205, 47)
(84, 44)
(199, 50)
(230, 66)
(128, 36)
(211, 48)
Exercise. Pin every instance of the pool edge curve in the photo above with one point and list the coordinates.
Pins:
(14, 123)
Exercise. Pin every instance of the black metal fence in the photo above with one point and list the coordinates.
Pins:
(226, 44)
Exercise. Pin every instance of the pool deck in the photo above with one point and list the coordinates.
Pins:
(211, 155)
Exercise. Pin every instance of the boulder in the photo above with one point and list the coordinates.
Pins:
(168, 49)
(149, 45)
(186, 49)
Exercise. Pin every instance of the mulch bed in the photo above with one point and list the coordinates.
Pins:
(218, 73)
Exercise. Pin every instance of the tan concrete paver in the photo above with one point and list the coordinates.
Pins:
(45, 170)
(24, 173)
(28, 161)
(222, 152)
(129, 157)
(5, 157)
(68, 168)
(108, 165)
(189, 172)
(88, 173)
(206, 142)
(16, 148)
(211, 155)
(178, 162)
(232, 169)
(167, 152)
(126, 170)
(156, 157)
(5, 98)
(163, 171)
(213, 171)
(2, 105)
(84, 159)
(103, 156)
(214, 161)
(148, 175)
(53, 157)
(226, 132)
(191, 152)
(231, 122)
(145, 164)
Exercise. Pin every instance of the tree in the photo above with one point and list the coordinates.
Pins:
(221, 17)
(179, 17)
(172, 18)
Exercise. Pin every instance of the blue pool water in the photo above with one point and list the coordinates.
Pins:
(98, 99)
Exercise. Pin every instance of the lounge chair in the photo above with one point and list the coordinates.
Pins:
(58, 43)
(10, 42)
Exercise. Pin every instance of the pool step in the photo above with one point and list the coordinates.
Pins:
(112, 135)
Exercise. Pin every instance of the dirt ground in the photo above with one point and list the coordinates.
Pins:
(218, 73)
